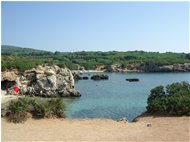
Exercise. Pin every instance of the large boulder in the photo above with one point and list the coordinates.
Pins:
(10, 75)
(9, 78)
(100, 77)
(114, 68)
(47, 81)
(132, 79)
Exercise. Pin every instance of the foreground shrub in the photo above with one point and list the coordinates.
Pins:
(57, 107)
(20, 110)
(49, 108)
(174, 101)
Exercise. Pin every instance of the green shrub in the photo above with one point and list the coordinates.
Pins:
(41, 110)
(57, 107)
(175, 101)
(20, 110)
(49, 108)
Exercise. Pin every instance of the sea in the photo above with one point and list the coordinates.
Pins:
(117, 98)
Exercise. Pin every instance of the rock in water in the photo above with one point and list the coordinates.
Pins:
(77, 77)
(48, 81)
(85, 77)
(100, 77)
(132, 79)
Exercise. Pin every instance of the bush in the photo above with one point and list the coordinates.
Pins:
(20, 110)
(49, 108)
(175, 101)
(41, 110)
(57, 107)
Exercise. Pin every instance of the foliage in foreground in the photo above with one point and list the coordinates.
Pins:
(49, 108)
(174, 100)
(22, 109)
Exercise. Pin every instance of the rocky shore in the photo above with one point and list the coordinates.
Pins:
(45, 81)
(52, 81)
(149, 67)
(138, 67)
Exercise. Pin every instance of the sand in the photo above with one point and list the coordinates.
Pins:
(147, 128)
(158, 129)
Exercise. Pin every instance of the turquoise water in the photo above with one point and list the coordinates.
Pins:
(116, 98)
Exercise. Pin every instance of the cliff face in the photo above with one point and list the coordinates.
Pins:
(150, 67)
(50, 81)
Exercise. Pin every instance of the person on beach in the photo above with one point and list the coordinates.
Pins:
(16, 90)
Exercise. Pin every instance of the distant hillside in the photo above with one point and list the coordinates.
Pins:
(14, 50)
(26, 58)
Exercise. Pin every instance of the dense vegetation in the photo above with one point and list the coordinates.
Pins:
(174, 101)
(22, 109)
(25, 58)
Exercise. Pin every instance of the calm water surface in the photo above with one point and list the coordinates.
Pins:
(116, 98)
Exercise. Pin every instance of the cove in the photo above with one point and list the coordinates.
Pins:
(117, 98)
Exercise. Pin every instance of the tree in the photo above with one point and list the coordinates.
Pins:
(175, 101)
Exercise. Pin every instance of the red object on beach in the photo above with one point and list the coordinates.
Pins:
(16, 90)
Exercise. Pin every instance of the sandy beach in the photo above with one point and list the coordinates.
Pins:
(145, 129)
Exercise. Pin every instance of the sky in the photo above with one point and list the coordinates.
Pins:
(96, 26)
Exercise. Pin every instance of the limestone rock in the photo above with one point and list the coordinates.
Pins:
(48, 81)
(10, 75)
(100, 77)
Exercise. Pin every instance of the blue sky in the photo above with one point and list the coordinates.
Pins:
(97, 26)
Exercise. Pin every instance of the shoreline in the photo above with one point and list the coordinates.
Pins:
(126, 71)
(87, 71)
(145, 127)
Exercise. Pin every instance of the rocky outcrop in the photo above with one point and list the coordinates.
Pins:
(9, 79)
(149, 67)
(100, 67)
(100, 77)
(85, 77)
(132, 79)
(48, 81)
(10, 75)
(116, 68)
(77, 76)
(152, 67)
(122, 68)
